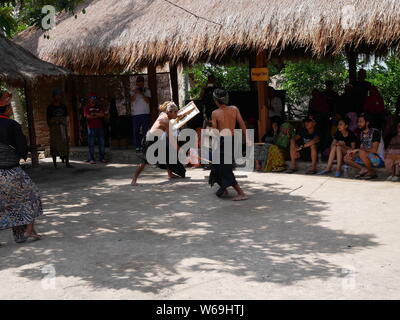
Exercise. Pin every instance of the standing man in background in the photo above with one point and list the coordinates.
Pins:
(140, 112)
(57, 120)
(95, 115)
(275, 107)
(360, 90)
(206, 97)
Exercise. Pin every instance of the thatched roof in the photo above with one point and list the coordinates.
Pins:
(18, 64)
(119, 35)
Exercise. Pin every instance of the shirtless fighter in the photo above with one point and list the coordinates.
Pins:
(168, 111)
(224, 119)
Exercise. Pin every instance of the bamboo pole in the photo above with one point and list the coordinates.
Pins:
(173, 74)
(152, 80)
(31, 123)
(73, 112)
(262, 88)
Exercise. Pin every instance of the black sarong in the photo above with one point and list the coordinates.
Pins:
(222, 173)
(177, 168)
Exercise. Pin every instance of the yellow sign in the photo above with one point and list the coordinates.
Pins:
(259, 74)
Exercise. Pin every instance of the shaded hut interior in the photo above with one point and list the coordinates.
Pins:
(121, 37)
(19, 68)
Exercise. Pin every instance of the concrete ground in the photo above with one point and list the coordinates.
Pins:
(299, 237)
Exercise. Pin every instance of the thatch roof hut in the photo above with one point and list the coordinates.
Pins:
(20, 68)
(18, 65)
(119, 35)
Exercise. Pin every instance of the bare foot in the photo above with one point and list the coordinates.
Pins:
(32, 236)
(134, 183)
(35, 234)
(362, 173)
(174, 176)
(240, 198)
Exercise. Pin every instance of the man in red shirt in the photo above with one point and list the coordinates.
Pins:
(95, 115)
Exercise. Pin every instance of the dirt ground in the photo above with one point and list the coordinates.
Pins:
(299, 237)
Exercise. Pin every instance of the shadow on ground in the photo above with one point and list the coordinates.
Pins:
(102, 230)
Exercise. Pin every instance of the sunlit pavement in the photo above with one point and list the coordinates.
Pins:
(298, 237)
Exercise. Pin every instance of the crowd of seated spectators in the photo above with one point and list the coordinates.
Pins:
(349, 130)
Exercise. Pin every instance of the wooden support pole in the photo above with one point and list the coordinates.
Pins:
(261, 62)
(173, 74)
(31, 123)
(152, 81)
(252, 64)
(73, 112)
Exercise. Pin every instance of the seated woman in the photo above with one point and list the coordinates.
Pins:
(261, 150)
(278, 150)
(392, 157)
(343, 141)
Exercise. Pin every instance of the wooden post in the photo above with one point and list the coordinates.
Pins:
(173, 74)
(352, 61)
(73, 112)
(31, 123)
(126, 80)
(252, 64)
(152, 80)
(261, 62)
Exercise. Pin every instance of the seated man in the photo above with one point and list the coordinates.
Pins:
(369, 155)
(305, 146)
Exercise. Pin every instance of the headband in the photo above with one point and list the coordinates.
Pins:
(221, 99)
(171, 107)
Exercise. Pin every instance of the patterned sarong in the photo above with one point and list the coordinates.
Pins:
(20, 202)
(59, 142)
(276, 160)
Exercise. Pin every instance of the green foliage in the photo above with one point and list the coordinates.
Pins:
(7, 22)
(17, 15)
(300, 78)
(386, 76)
(232, 78)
